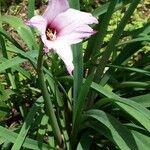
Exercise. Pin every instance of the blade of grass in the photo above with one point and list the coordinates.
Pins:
(31, 8)
(96, 41)
(24, 31)
(103, 9)
(82, 96)
(78, 63)
(115, 38)
(74, 4)
(85, 142)
(142, 99)
(7, 36)
(8, 71)
(78, 70)
(31, 56)
(125, 54)
(132, 69)
(6, 146)
(78, 74)
(111, 128)
(135, 110)
(10, 63)
(81, 102)
(28, 143)
(42, 129)
(27, 124)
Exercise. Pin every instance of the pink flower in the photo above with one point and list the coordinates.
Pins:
(60, 27)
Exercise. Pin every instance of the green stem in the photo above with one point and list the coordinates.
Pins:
(47, 99)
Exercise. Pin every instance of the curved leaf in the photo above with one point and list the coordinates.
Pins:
(112, 129)
(135, 110)
(23, 30)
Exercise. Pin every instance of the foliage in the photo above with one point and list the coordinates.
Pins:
(104, 105)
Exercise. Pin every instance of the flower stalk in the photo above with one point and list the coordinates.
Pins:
(47, 100)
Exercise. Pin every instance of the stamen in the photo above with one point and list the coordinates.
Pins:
(51, 34)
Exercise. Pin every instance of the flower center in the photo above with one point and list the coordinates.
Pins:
(51, 34)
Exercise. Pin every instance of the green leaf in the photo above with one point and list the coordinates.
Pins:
(78, 73)
(112, 129)
(31, 8)
(103, 9)
(74, 4)
(134, 84)
(132, 69)
(24, 31)
(11, 63)
(96, 41)
(6, 145)
(4, 93)
(14, 21)
(28, 37)
(41, 131)
(128, 50)
(141, 137)
(9, 75)
(27, 124)
(85, 142)
(114, 40)
(13, 41)
(2, 140)
(54, 88)
(4, 110)
(22, 71)
(81, 101)
(142, 99)
(138, 39)
(31, 56)
(28, 143)
(135, 110)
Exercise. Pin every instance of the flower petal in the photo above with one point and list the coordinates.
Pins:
(77, 35)
(54, 8)
(38, 22)
(71, 19)
(63, 50)
(65, 53)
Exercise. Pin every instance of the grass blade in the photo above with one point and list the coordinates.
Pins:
(112, 129)
(135, 110)
(103, 9)
(74, 4)
(31, 8)
(27, 124)
(114, 40)
(96, 41)
(28, 143)
(23, 30)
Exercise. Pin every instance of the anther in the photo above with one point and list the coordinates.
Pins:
(51, 35)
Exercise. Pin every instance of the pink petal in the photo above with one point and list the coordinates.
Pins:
(71, 19)
(38, 22)
(77, 35)
(54, 8)
(63, 50)
(65, 53)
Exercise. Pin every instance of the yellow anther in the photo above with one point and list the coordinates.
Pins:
(50, 34)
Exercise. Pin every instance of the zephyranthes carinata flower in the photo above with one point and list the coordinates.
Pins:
(61, 26)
